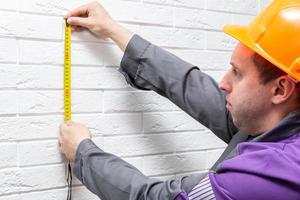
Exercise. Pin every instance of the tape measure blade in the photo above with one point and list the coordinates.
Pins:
(67, 73)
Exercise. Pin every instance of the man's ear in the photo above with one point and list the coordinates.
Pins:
(283, 89)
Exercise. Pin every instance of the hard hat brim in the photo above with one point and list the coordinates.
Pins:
(241, 33)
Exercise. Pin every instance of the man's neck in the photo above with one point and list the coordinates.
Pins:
(270, 121)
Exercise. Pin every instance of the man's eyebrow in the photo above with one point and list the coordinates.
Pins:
(235, 66)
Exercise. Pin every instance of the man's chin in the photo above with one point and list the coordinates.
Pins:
(235, 121)
(228, 106)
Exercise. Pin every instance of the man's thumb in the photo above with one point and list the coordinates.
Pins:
(78, 21)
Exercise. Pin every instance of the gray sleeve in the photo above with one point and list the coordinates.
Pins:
(148, 67)
(111, 178)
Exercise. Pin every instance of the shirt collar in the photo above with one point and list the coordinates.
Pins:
(287, 127)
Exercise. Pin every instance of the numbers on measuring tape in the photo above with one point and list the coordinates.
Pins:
(67, 95)
(67, 73)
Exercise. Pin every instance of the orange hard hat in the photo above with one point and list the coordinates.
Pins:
(275, 35)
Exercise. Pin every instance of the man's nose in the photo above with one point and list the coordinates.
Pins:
(224, 84)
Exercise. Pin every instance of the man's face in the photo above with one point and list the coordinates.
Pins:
(248, 100)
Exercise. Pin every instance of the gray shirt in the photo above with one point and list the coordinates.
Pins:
(148, 67)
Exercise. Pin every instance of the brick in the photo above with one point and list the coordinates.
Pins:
(195, 141)
(167, 164)
(87, 36)
(136, 12)
(41, 52)
(49, 7)
(52, 53)
(169, 121)
(99, 78)
(51, 77)
(92, 121)
(8, 128)
(9, 102)
(168, 37)
(45, 127)
(41, 27)
(8, 51)
(8, 23)
(9, 5)
(87, 53)
(190, 3)
(52, 101)
(181, 3)
(220, 41)
(39, 152)
(40, 178)
(205, 60)
(9, 158)
(11, 197)
(9, 181)
(244, 20)
(37, 77)
(125, 146)
(120, 124)
(36, 127)
(237, 6)
(161, 143)
(162, 2)
(212, 156)
(118, 9)
(8, 76)
(30, 179)
(193, 18)
(134, 102)
(111, 54)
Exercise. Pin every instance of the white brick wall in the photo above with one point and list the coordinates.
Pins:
(142, 127)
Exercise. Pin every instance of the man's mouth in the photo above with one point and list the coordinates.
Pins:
(228, 105)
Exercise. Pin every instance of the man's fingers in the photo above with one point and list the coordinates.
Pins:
(64, 126)
(61, 127)
(77, 28)
(78, 21)
(69, 123)
(60, 144)
(59, 141)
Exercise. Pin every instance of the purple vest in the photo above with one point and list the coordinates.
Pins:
(260, 171)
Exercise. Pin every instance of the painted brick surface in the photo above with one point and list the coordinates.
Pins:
(142, 127)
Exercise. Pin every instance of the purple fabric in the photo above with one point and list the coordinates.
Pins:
(182, 196)
(264, 170)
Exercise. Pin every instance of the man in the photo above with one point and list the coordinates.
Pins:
(255, 109)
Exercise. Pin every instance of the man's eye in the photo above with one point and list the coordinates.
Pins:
(234, 71)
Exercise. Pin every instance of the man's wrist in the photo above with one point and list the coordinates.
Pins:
(120, 35)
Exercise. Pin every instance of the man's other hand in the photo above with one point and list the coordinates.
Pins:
(71, 134)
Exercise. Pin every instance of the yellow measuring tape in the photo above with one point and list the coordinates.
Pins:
(67, 95)
(67, 73)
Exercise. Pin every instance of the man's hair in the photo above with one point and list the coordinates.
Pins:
(268, 72)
